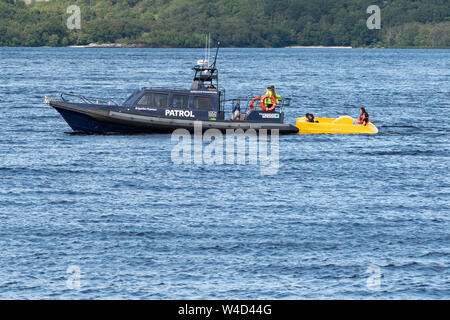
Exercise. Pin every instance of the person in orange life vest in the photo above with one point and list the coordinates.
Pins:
(363, 117)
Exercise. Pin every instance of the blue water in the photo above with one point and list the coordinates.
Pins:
(139, 226)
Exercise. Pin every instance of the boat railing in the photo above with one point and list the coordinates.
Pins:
(163, 89)
(72, 97)
(244, 104)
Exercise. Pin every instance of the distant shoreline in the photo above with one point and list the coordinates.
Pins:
(109, 45)
(318, 47)
(137, 45)
(134, 45)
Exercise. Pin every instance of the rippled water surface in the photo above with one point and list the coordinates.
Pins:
(340, 211)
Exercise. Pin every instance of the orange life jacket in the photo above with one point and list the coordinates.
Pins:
(364, 119)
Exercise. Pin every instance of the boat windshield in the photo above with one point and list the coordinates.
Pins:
(130, 97)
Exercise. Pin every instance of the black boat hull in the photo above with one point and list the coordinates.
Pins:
(106, 119)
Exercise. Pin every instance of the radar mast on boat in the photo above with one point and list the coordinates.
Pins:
(206, 76)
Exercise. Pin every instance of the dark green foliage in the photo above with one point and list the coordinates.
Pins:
(239, 23)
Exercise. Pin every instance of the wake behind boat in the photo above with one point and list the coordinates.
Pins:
(163, 110)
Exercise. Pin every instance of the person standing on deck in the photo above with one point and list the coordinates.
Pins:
(271, 92)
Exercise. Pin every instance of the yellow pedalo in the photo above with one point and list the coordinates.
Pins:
(342, 125)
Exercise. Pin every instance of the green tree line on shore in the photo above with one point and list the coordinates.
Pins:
(237, 23)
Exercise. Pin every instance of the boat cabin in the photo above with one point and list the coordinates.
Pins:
(177, 103)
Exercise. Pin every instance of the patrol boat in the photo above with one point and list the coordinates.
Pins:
(163, 110)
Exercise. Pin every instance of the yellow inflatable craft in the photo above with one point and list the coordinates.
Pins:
(342, 124)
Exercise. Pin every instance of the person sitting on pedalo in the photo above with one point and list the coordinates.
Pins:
(310, 118)
(363, 118)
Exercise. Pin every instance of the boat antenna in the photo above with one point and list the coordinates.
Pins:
(209, 46)
(213, 66)
(206, 47)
